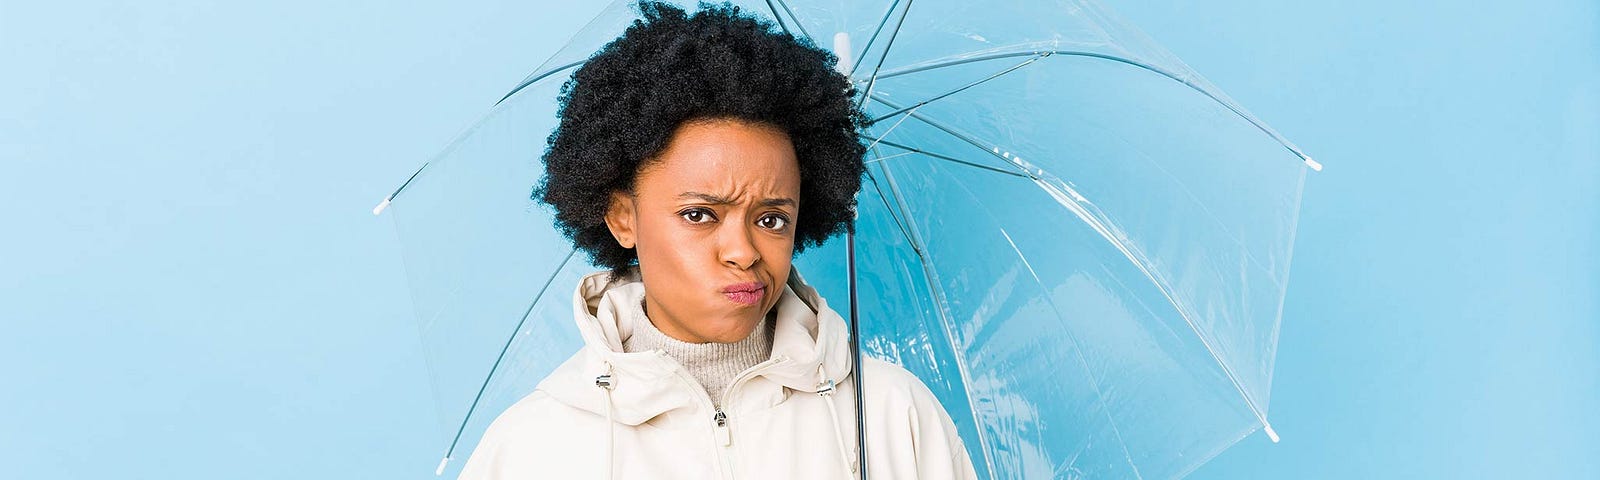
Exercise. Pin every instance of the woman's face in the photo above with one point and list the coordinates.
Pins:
(712, 220)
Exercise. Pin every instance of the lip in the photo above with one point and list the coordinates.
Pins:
(744, 287)
(748, 293)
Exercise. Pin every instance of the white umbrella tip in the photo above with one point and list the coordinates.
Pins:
(440, 471)
(378, 210)
(1271, 434)
(1313, 164)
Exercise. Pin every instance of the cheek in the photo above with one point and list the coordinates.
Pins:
(778, 254)
(669, 241)
(777, 251)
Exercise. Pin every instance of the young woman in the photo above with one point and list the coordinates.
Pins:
(696, 154)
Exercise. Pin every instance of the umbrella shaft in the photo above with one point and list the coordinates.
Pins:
(855, 357)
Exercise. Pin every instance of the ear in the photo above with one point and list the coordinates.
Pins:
(620, 219)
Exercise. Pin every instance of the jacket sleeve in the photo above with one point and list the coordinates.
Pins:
(940, 452)
(488, 460)
(910, 435)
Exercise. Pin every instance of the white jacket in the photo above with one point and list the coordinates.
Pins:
(779, 418)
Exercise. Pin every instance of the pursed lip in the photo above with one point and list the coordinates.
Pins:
(744, 287)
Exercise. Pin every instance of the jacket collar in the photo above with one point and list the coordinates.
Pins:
(810, 345)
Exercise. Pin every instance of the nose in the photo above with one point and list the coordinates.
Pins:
(736, 248)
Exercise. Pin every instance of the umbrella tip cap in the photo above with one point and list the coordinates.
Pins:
(440, 471)
(1271, 434)
(384, 205)
(1313, 164)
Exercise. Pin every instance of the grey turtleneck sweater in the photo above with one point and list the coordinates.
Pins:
(713, 364)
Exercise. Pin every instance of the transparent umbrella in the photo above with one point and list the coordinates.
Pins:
(1076, 242)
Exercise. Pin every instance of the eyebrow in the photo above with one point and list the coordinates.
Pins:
(716, 200)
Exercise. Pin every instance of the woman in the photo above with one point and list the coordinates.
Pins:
(695, 156)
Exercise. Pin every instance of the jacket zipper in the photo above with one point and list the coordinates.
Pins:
(719, 420)
(724, 437)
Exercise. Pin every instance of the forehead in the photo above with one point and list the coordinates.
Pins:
(724, 157)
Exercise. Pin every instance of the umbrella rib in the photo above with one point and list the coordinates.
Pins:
(937, 64)
(389, 199)
(507, 347)
(873, 80)
(886, 133)
(884, 21)
(786, 9)
(535, 78)
(892, 215)
(950, 159)
(880, 159)
(993, 76)
(777, 17)
(524, 84)
(1074, 202)
(930, 278)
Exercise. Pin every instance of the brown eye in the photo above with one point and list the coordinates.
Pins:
(775, 222)
(695, 216)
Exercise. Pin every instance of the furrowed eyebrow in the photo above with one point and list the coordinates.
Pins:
(716, 200)
(705, 197)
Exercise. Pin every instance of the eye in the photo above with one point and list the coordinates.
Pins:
(696, 216)
(777, 222)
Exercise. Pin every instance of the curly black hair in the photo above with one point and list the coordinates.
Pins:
(620, 109)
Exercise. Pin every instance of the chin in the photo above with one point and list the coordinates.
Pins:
(738, 333)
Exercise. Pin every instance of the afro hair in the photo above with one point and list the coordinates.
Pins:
(620, 109)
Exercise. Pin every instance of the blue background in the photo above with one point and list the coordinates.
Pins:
(191, 285)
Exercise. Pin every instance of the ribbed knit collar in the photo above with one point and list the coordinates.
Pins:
(714, 365)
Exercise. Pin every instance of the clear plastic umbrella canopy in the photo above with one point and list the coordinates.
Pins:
(1076, 242)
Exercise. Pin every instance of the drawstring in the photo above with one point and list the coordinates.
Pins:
(825, 389)
(604, 382)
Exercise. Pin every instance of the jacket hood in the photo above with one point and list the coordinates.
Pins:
(810, 346)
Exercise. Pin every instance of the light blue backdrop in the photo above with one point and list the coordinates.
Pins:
(191, 285)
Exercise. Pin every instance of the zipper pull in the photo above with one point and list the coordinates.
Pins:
(723, 435)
